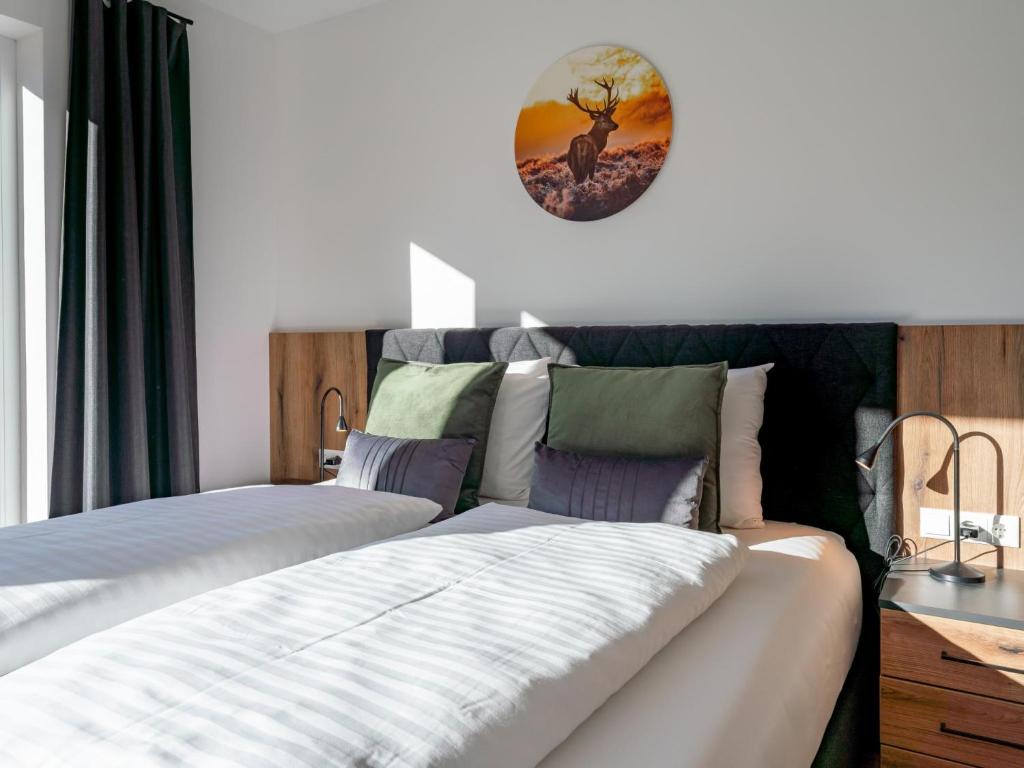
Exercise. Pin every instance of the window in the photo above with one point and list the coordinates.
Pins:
(10, 292)
(24, 476)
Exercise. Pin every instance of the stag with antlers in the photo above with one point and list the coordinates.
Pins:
(584, 149)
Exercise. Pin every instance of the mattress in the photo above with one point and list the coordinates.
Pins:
(64, 579)
(753, 681)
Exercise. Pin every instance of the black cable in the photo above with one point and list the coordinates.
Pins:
(892, 557)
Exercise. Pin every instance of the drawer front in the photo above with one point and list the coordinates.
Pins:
(977, 658)
(956, 726)
(894, 757)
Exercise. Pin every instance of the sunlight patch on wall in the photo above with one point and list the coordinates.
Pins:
(526, 320)
(442, 296)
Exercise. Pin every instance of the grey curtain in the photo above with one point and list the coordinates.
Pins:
(126, 422)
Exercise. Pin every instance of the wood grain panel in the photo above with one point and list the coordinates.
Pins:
(894, 757)
(956, 726)
(302, 367)
(977, 658)
(974, 375)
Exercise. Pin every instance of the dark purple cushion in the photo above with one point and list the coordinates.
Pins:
(429, 468)
(619, 489)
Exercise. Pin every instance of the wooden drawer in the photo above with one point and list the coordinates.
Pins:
(956, 726)
(893, 757)
(978, 658)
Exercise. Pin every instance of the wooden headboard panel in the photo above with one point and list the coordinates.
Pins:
(974, 375)
(302, 367)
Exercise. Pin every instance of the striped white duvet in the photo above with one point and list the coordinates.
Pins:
(482, 641)
(61, 580)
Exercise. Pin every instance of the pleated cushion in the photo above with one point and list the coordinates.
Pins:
(427, 468)
(617, 488)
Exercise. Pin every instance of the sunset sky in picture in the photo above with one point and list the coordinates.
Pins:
(547, 122)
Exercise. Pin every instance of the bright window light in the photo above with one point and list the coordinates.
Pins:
(33, 232)
(10, 293)
(442, 296)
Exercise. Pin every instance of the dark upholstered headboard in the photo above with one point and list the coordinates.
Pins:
(830, 395)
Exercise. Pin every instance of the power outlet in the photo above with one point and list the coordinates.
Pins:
(330, 453)
(996, 530)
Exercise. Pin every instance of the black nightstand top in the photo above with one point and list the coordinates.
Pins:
(998, 601)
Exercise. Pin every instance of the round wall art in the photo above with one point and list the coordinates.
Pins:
(593, 133)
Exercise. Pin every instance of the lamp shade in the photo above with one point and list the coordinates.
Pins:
(342, 425)
(866, 460)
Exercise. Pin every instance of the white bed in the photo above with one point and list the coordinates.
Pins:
(64, 579)
(753, 681)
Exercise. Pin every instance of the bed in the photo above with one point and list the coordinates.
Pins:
(830, 394)
(64, 579)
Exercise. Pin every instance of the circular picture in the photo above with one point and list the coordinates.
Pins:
(593, 133)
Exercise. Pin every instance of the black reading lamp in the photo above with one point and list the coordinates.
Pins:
(955, 571)
(341, 426)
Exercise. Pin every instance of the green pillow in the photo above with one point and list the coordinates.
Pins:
(430, 401)
(650, 412)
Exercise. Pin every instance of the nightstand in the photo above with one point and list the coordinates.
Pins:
(952, 670)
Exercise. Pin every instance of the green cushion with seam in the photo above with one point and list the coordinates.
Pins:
(651, 412)
(418, 400)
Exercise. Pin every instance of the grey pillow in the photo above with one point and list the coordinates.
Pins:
(620, 489)
(428, 468)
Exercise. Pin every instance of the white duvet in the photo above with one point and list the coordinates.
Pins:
(481, 641)
(63, 579)
(766, 660)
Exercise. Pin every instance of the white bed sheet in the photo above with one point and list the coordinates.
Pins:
(752, 682)
(64, 579)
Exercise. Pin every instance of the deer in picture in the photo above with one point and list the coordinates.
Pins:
(584, 149)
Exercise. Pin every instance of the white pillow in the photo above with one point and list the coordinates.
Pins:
(520, 411)
(739, 469)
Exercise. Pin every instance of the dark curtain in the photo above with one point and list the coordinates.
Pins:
(126, 421)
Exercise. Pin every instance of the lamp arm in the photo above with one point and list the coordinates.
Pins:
(956, 467)
(957, 571)
(341, 405)
(900, 419)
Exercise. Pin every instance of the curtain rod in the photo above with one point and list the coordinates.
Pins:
(176, 16)
(184, 20)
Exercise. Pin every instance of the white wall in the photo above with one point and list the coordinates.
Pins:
(832, 160)
(236, 197)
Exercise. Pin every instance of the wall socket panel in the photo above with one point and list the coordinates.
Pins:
(997, 530)
(330, 453)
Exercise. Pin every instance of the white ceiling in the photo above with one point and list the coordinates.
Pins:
(281, 15)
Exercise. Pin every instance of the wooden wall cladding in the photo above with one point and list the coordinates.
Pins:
(974, 375)
(302, 367)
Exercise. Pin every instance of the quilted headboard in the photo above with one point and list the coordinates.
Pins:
(831, 393)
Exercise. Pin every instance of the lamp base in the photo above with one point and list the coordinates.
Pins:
(957, 572)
